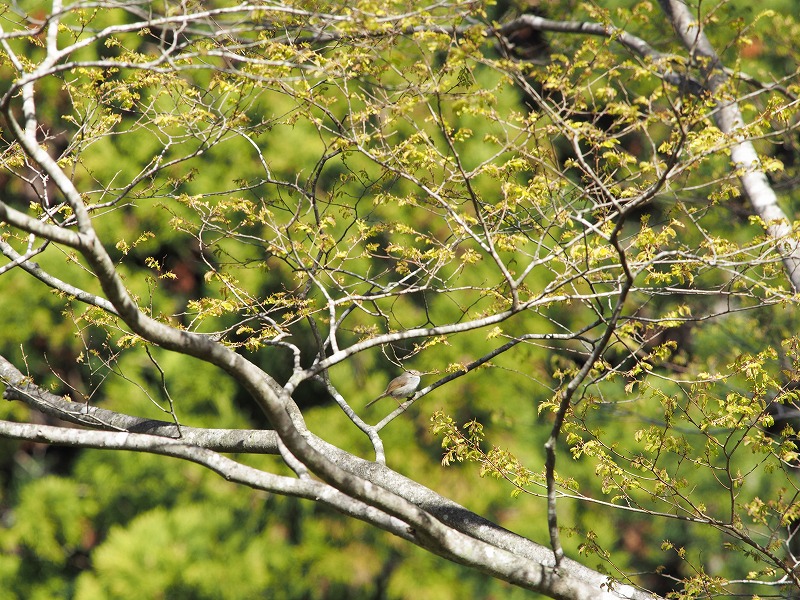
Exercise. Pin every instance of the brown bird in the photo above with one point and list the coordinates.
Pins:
(402, 386)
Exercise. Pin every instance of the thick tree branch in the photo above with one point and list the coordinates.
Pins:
(572, 581)
(225, 467)
(20, 387)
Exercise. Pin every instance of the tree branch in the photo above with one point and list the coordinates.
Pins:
(19, 387)
(744, 157)
(225, 467)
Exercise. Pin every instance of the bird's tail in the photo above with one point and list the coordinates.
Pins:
(374, 401)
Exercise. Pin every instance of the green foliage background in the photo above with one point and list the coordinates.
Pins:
(93, 524)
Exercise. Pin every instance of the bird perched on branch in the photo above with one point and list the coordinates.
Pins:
(402, 386)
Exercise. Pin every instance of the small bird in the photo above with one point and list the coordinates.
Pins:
(402, 386)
